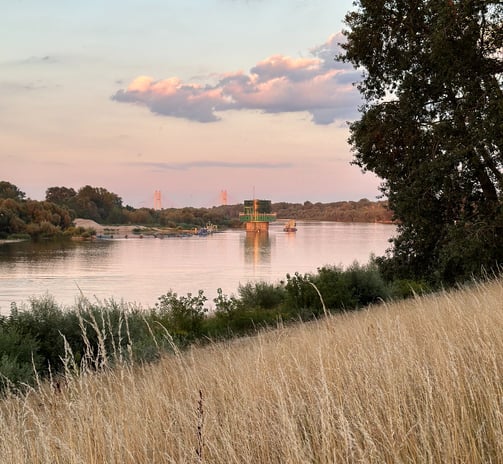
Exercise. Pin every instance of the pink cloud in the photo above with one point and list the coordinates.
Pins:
(318, 85)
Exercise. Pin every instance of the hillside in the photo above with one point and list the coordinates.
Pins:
(417, 381)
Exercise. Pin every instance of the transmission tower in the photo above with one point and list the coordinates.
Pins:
(223, 197)
(157, 200)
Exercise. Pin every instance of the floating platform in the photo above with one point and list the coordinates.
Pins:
(257, 215)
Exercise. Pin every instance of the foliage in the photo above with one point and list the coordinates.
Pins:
(45, 321)
(340, 289)
(261, 295)
(363, 210)
(19, 357)
(62, 196)
(95, 203)
(54, 217)
(431, 128)
(40, 337)
(43, 337)
(10, 191)
(405, 288)
(182, 316)
(35, 218)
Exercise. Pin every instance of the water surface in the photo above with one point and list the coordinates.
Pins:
(140, 270)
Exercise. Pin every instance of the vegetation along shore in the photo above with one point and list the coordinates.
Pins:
(101, 212)
(411, 381)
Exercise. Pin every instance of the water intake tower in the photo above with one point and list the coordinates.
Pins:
(257, 215)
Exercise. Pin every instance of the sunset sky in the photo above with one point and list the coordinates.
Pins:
(186, 97)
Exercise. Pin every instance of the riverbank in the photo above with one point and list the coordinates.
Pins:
(129, 231)
(120, 230)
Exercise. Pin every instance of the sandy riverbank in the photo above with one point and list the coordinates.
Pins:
(131, 231)
(119, 231)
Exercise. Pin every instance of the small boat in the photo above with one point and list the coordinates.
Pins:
(207, 230)
(290, 226)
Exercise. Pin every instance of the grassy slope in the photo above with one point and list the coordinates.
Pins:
(418, 381)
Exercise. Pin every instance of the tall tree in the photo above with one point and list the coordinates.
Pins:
(99, 204)
(432, 128)
(8, 190)
(62, 196)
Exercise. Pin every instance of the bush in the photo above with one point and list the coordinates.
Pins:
(366, 284)
(94, 334)
(182, 316)
(340, 289)
(301, 297)
(19, 358)
(406, 288)
(43, 322)
(241, 316)
(261, 295)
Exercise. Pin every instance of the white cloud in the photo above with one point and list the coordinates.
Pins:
(319, 85)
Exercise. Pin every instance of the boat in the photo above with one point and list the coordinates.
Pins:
(290, 226)
(207, 230)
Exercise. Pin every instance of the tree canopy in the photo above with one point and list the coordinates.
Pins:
(95, 203)
(432, 128)
(10, 191)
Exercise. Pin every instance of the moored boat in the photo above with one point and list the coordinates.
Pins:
(290, 226)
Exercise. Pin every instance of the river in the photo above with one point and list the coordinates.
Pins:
(140, 270)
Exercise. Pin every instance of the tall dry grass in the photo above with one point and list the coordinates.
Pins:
(415, 382)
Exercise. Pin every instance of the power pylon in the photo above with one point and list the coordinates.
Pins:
(223, 197)
(157, 200)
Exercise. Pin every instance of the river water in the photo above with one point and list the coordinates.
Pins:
(140, 270)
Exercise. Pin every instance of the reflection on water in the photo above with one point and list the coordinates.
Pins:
(47, 251)
(143, 270)
(257, 248)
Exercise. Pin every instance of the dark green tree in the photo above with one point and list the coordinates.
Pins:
(432, 128)
(99, 204)
(8, 190)
(62, 196)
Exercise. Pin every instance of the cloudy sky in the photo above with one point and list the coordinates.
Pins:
(186, 97)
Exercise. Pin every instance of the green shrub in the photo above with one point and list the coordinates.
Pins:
(340, 289)
(259, 306)
(301, 297)
(261, 295)
(182, 316)
(406, 288)
(94, 333)
(366, 284)
(19, 358)
(43, 322)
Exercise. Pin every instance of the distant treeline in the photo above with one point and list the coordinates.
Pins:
(20, 216)
(340, 211)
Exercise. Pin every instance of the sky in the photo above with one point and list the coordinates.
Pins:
(190, 98)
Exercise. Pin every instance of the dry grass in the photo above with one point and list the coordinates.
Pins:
(416, 382)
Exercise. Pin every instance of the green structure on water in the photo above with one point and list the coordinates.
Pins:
(257, 215)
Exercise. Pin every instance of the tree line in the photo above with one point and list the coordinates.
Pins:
(363, 210)
(20, 216)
